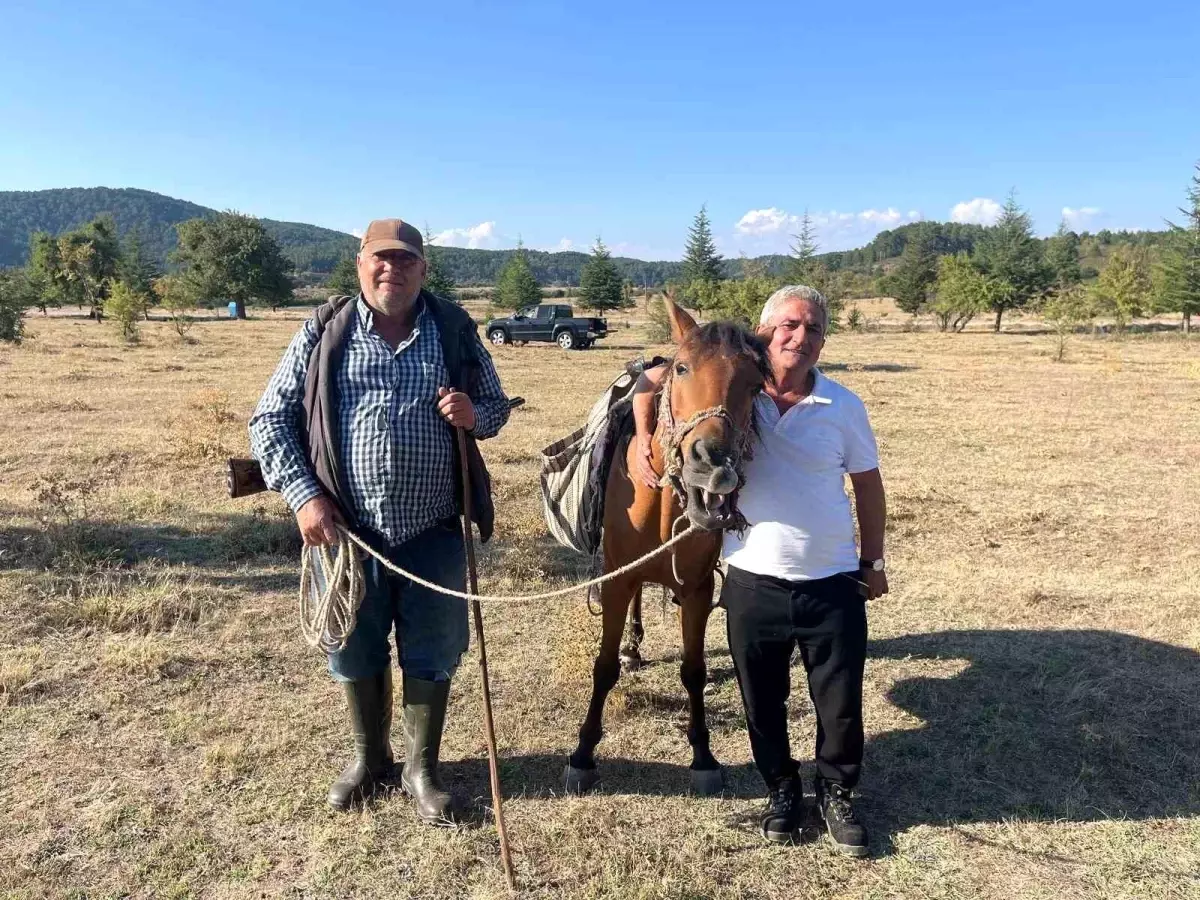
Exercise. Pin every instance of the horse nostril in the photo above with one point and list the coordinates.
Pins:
(707, 453)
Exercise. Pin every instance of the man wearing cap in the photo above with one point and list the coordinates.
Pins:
(352, 429)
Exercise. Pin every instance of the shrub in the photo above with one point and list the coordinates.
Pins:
(125, 307)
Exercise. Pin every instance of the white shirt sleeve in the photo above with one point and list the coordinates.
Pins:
(862, 453)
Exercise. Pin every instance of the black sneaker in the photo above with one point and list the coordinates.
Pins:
(845, 831)
(782, 821)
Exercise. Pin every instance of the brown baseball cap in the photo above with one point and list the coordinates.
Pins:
(392, 234)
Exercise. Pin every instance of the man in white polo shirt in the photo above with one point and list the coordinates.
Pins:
(796, 577)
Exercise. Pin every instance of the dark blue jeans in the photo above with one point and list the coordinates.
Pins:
(431, 628)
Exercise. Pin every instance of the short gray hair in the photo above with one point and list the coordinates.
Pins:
(794, 292)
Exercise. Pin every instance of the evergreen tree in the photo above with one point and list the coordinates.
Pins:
(138, 270)
(437, 278)
(343, 280)
(701, 261)
(1062, 257)
(516, 288)
(600, 285)
(232, 257)
(803, 267)
(1179, 283)
(1012, 256)
(914, 276)
(42, 270)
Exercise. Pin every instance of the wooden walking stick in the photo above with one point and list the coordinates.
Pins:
(477, 611)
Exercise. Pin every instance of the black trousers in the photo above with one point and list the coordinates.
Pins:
(827, 618)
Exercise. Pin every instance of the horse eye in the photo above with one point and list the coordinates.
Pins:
(680, 369)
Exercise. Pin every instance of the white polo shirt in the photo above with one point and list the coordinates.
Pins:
(795, 496)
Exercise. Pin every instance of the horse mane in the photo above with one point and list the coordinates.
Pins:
(730, 339)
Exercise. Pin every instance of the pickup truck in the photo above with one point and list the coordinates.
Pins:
(548, 322)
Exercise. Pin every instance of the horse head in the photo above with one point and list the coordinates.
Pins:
(706, 413)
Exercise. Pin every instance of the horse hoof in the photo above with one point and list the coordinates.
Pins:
(579, 781)
(631, 662)
(707, 782)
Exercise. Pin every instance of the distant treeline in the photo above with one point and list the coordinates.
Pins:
(314, 251)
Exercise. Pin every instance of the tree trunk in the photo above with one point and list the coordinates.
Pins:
(999, 313)
(241, 308)
(1187, 323)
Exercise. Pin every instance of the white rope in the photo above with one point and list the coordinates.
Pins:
(327, 617)
(328, 623)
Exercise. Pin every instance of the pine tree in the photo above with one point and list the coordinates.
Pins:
(803, 266)
(343, 280)
(910, 282)
(701, 262)
(1011, 255)
(600, 285)
(1180, 269)
(1062, 256)
(437, 279)
(138, 270)
(516, 288)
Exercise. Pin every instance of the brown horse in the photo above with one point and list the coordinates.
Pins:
(702, 440)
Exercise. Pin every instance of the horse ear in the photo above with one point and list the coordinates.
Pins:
(682, 324)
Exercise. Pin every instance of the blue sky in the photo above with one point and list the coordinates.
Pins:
(561, 122)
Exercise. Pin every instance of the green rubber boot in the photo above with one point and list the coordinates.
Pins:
(424, 716)
(370, 703)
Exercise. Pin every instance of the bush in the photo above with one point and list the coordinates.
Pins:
(16, 295)
(125, 307)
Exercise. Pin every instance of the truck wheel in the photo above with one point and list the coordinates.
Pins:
(566, 340)
(498, 336)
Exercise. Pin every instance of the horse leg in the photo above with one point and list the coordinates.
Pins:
(581, 767)
(631, 656)
(696, 605)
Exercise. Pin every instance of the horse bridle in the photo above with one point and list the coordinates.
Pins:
(672, 435)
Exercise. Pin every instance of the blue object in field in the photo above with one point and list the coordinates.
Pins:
(233, 309)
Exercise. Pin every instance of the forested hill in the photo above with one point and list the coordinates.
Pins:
(316, 250)
(153, 215)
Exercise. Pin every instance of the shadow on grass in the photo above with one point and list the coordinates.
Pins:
(1041, 725)
(540, 775)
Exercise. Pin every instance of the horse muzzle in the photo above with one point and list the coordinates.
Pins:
(711, 496)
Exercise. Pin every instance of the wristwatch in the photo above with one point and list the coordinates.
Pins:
(875, 565)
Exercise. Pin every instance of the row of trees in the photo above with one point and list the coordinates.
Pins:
(1008, 268)
(601, 286)
(226, 258)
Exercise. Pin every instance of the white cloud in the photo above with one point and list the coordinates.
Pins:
(484, 235)
(1080, 219)
(357, 232)
(563, 245)
(771, 230)
(980, 211)
(765, 221)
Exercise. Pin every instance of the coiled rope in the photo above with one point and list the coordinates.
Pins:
(328, 615)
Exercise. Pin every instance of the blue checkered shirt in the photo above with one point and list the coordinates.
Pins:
(395, 448)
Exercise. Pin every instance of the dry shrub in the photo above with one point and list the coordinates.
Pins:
(204, 429)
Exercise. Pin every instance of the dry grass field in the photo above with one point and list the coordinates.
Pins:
(1032, 684)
